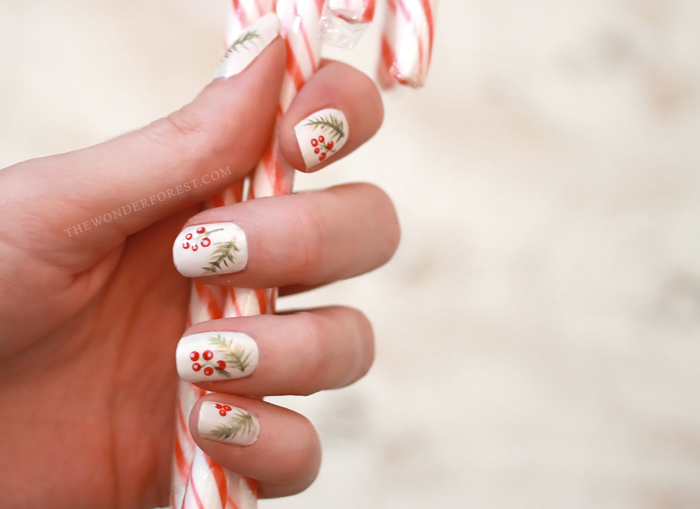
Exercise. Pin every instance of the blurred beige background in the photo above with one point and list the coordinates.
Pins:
(539, 329)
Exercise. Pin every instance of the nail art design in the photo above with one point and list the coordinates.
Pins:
(229, 424)
(321, 134)
(214, 356)
(248, 45)
(210, 249)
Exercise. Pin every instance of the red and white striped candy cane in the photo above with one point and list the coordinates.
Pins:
(200, 482)
(206, 303)
(407, 42)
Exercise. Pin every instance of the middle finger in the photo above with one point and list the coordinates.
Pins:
(303, 239)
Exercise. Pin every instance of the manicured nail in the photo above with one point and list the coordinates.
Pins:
(248, 45)
(321, 135)
(213, 356)
(226, 423)
(210, 249)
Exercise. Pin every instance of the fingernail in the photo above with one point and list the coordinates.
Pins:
(248, 45)
(228, 424)
(321, 135)
(210, 249)
(214, 356)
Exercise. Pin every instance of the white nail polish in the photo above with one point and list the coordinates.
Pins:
(321, 135)
(226, 423)
(214, 356)
(210, 249)
(248, 45)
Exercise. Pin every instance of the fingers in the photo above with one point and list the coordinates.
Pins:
(275, 446)
(298, 354)
(338, 110)
(306, 239)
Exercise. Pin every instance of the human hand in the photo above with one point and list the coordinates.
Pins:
(91, 311)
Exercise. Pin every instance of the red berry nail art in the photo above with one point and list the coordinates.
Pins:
(201, 230)
(221, 358)
(328, 128)
(223, 409)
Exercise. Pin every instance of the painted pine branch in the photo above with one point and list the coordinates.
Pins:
(246, 36)
(330, 122)
(238, 357)
(224, 253)
(241, 423)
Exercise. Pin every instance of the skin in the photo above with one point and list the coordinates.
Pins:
(89, 322)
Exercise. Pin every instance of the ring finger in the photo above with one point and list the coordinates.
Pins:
(306, 239)
(294, 354)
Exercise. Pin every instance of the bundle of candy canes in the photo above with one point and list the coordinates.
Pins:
(406, 47)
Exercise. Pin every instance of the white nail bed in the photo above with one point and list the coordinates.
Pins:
(214, 356)
(210, 249)
(321, 135)
(228, 424)
(248, 45)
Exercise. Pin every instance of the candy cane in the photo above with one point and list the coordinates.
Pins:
(206, 303)
(407, 42)
(199, 482)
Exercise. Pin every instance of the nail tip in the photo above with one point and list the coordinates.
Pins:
(310, 131)
(221, 424)
(228, 355)
(233, 62)
(223, 249)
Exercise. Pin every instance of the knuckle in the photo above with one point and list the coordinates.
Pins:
(313, 365)
(183, 123)
(303, 457)
(380, 219)
(365, 340)
(360, 347)
(389, 241)
(310, 235)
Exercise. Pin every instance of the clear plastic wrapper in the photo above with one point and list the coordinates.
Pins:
(344, 21)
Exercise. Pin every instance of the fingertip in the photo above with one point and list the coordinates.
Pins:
(338, 110)
(278, 448)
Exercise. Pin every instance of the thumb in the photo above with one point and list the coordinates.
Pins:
(99, 195)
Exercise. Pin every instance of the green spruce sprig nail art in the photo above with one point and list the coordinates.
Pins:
(330, 123)
(236, 356)
(223, 254)
(240, 42)
(241, 423)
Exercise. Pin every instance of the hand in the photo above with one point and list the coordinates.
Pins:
(92, 308)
